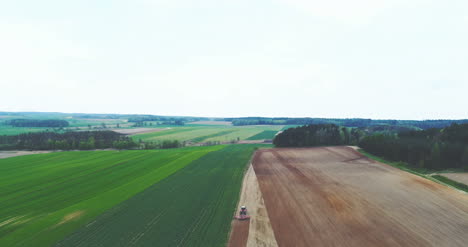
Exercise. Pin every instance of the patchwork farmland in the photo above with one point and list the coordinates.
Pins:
(212, 133)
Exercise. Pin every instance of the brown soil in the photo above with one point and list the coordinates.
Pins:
(138, 130)
(459, 177)
(70, 216)
(334, 196)
(239, 233)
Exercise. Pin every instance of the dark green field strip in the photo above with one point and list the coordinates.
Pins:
(192, 207)
(266, 134)
(221, 133)
(68, 189)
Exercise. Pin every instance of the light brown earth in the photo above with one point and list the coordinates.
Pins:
(8, 154)
(459, 177)
(70, 216)
(334, 196)
(257, 231)
(138, 130)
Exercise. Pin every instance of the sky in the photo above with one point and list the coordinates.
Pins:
(381, 59)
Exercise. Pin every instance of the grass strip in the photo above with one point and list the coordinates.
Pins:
(451, 182)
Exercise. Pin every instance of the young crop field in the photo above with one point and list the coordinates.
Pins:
(266, 134)
(245, 132)
(9, 130)
(192, 207)
(207, 133)
(44, 197)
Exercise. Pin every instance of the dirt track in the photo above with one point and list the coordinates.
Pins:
(257, 231)
(8, 154)
(336, 197)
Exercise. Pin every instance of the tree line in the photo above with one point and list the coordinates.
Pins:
(147, 118)
(347, 122)
(317, 135)
(79, 140)
(434, 149)
(54, 123)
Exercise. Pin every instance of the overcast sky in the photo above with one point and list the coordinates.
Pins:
(336, 58)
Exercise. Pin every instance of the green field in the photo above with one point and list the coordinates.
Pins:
(207, 133)
(8, 130)
(45, 197)
(266, 134)
(193, 207)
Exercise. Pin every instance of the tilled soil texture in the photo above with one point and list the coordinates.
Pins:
(334, 196)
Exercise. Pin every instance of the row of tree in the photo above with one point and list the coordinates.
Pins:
(434, 149)
(79, 140)
(317, 135)
(347, 122)
(143, 118)
(162, 144)
(54, 123)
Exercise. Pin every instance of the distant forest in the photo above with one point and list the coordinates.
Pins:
(318, 135)
(347, 122)
(430, 149)
(82, 140)
(436, 149)
(37, 123)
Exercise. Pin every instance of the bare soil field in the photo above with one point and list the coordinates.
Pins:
(8, 154)
(334, 196)
(138, 130)
(459, 177)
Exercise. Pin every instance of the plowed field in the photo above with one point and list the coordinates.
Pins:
(334, 196)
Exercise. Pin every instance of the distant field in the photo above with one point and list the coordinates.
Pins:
(207, 133)
(44, 197)
(211, 123)
(8, 130)
(266, 134)
(193, 207)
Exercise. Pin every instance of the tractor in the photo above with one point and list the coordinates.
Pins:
(242, 214)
